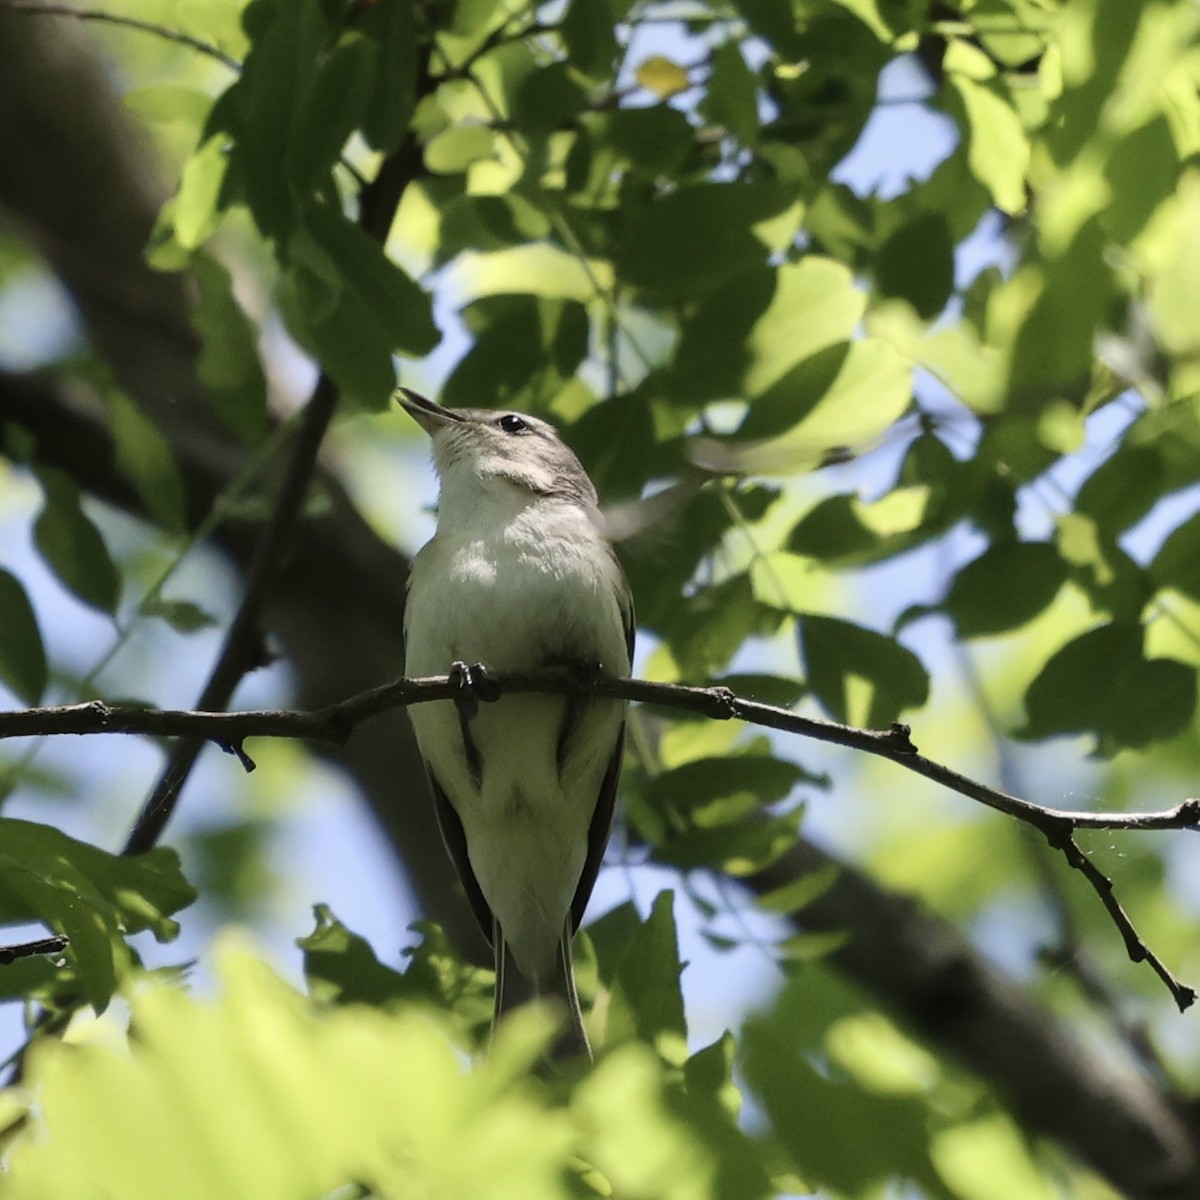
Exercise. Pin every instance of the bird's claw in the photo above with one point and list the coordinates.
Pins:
(473, 684)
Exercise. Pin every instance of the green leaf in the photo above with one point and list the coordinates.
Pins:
(392, 30)
(1102, 683)
(182, 615)
(1141, 170)
(1125, 487)
(860, 676)
(488, 223)
(144, 457)
(833, 531)
(166, 103)
(1177, 563)
(662, 76)
(659, 575)
(95, 898)
(917, 263)
(839, 399)
(300, 1103)
(22, 656)
(547, 98)
(697, 783)
(453, 150)
(228, 366)
(645, 1001)
(72, 546)
(34, 979)
(656, 140)
(1175, 287)
(269, 110)
(351, 306)
(731, 98)
(341, 968)
(738, 224)
(749, 334)
(525, 350)
(1053, 351)
(539, 269)
(997, 145)
(588, 31)
(711, 626)
(1008, 585)
(852, 1139)
(732, 844)
(801, 892)
(196, 209)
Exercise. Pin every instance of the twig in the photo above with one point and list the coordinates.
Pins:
(33, 8)
(49, 945)
(336, 722)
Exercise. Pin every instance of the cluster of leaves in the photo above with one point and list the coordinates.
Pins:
(363, 1088)
(655, 253)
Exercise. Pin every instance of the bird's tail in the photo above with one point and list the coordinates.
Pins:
(513, 990)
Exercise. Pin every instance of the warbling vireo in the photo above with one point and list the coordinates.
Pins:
(518, 576)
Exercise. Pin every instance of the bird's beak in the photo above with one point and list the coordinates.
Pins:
(431, 417)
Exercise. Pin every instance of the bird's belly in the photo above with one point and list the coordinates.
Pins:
(526, 815)
(527, 794)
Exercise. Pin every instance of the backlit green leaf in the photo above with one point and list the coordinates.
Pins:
(662, 76)
(745, 337)
(859, 675)
(738, 224)
(1007, 585)
(229, 367)
(145, 459)
(96, 899)
(997, 145)
(1101, 682)
(645, 1000)
(72, 545)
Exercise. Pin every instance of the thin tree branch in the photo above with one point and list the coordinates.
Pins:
(48, 945)
(33, 8)
(336, 722)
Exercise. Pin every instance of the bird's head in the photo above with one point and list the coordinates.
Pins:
(475, 447)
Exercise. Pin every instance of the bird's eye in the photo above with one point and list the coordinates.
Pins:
(511, 423)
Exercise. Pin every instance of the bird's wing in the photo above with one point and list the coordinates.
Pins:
(598, 832)
(456, 845)
(606, 802)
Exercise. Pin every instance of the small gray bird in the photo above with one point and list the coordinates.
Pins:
(519, 576)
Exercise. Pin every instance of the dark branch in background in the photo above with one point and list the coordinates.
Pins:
(336, 722)
(242, 649)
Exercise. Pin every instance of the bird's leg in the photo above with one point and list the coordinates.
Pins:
(585, 672)
(474, 684)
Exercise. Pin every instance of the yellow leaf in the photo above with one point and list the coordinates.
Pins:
(662, 77)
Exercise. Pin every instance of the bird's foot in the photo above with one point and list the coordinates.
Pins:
(474, 684)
